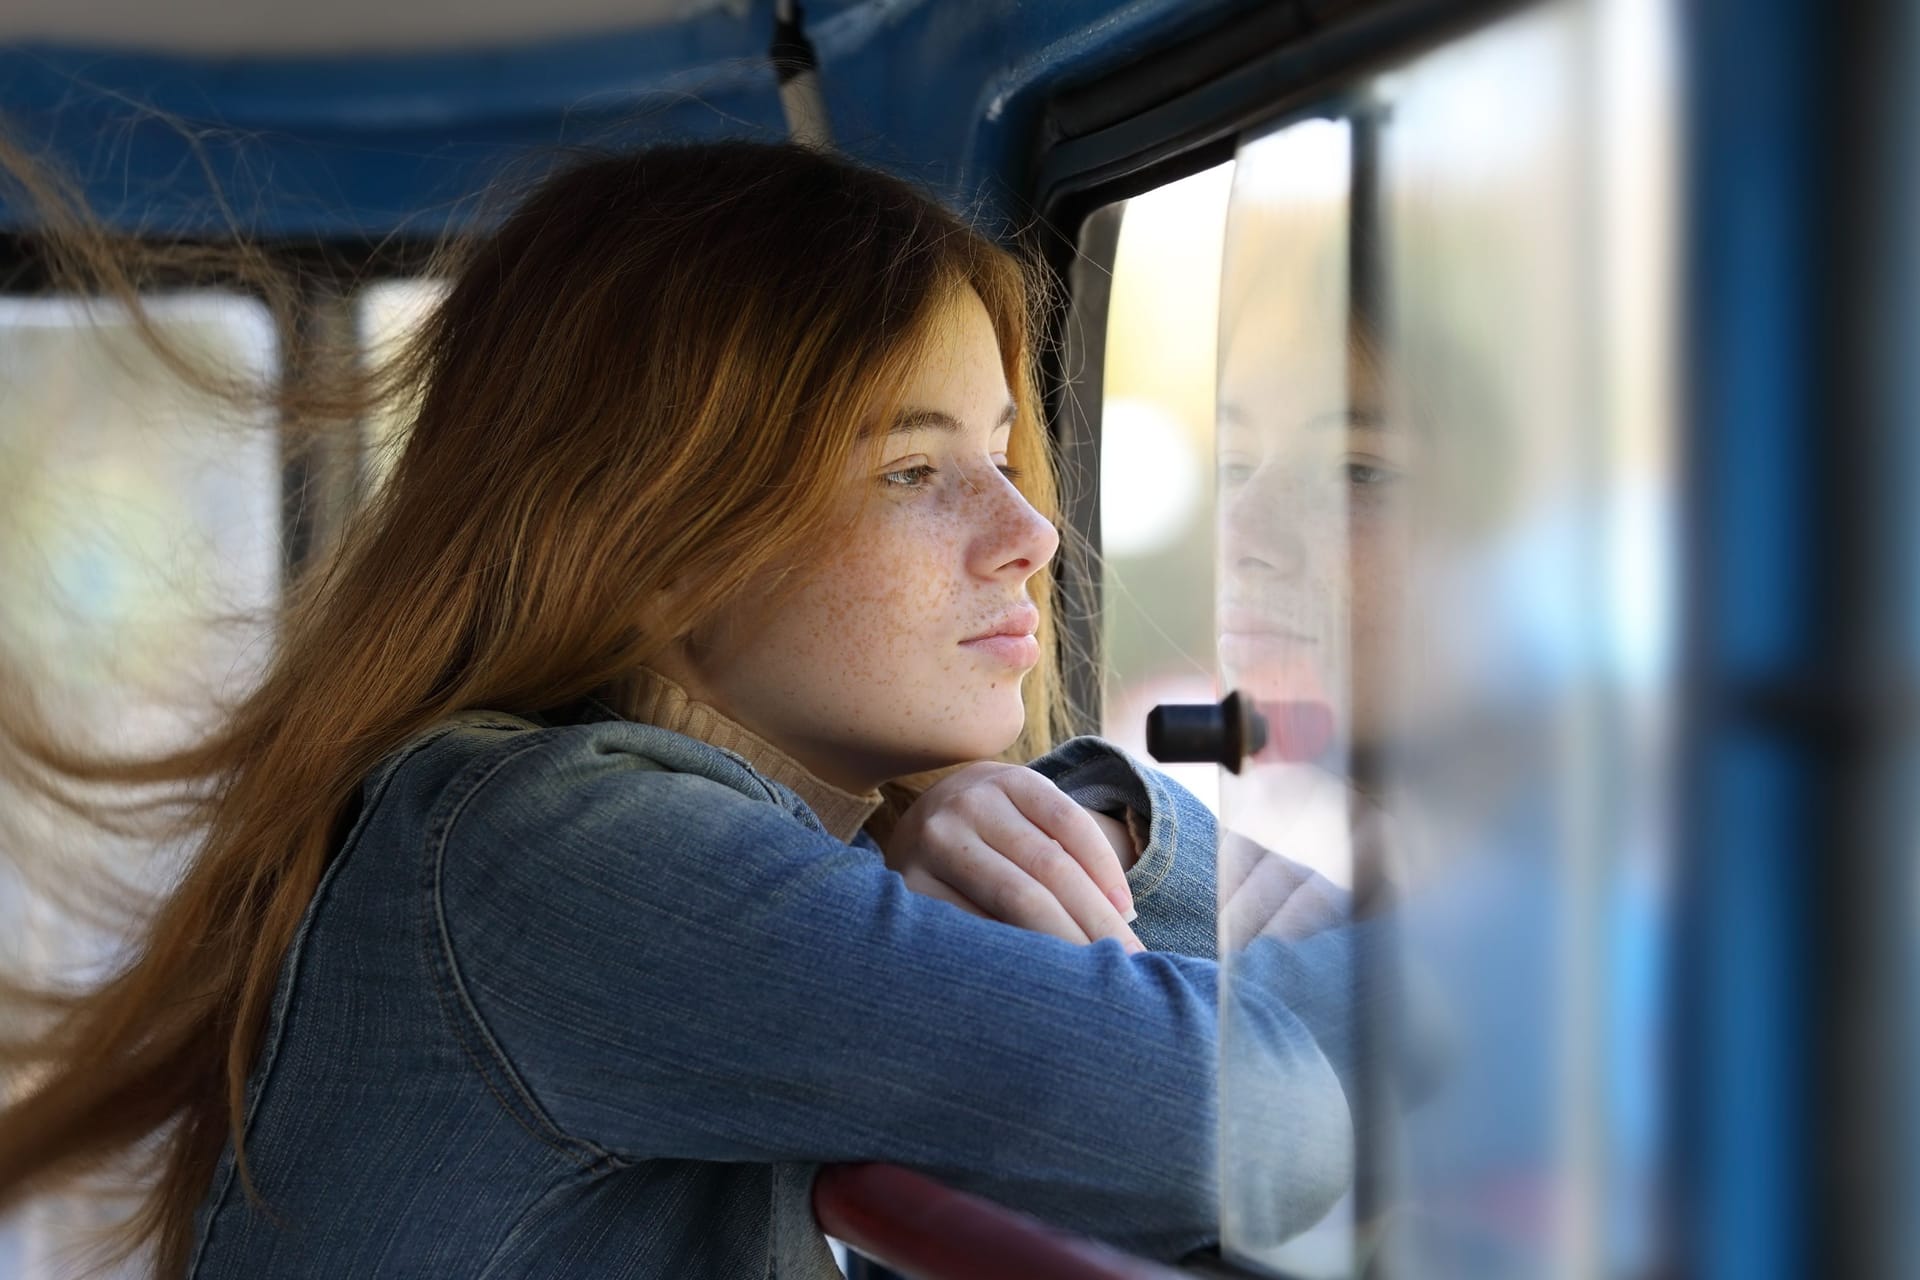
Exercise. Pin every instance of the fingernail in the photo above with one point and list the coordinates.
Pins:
(1131, 915)
(1123, 903)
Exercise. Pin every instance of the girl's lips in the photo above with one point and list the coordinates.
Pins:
(1024, 620)
(1014, 650)
(1249, 649)
(1252, 624)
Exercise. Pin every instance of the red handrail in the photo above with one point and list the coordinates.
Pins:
(909, 1222)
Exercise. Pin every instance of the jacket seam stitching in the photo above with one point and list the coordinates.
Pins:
(1164, 806)
(466, 1011)
(536, 1215)
(295, 957)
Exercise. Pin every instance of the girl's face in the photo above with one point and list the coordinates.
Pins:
(1315, 482)
(874, 666)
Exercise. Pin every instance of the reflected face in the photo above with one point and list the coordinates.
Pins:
(1315, 480)
(884, 659)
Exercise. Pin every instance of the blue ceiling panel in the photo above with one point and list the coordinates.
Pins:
(372, 145)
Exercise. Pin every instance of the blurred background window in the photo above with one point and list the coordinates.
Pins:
(139, 568)
(388, 313)
(143, 544)
(1156, 460)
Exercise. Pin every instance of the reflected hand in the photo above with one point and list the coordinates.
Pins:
(1263, 893)
(1001, 841)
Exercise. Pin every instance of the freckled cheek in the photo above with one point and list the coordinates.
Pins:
(889, 599)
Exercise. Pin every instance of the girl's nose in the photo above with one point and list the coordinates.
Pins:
(1268, 531)
(1014, 537)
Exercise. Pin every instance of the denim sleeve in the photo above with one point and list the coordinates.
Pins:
(659, 966)
(1173, 879)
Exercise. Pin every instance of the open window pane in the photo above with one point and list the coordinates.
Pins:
(1156, 459)
(1446, 575)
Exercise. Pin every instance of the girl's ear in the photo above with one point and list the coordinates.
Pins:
(676, 660)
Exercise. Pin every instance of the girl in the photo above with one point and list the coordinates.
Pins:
(629, 819)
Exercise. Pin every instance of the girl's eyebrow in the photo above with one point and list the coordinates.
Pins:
(1367, 419)
(911, 420)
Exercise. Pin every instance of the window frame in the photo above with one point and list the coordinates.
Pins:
(320, 481)
(1126, 134)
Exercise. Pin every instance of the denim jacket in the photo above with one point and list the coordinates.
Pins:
(596, 999)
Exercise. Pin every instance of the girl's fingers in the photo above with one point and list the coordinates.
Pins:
(1061, 868)
(1038, 862)
(1277, 897)
(987, 875)
(1054, 812)
(1237, 857)
(926, 885)
(1257, 905)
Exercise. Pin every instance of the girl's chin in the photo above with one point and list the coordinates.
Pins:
(1292, 679)
(996, 726)
(923, 748)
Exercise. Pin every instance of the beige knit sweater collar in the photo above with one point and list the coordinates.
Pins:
(651, 697)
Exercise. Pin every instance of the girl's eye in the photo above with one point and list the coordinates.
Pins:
(1235, 474)
(909, 477)
(1363, 475)
(916, 477)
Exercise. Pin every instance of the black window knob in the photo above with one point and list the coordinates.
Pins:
(1223, 733)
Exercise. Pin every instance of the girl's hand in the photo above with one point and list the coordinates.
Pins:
(1313, 816)
(1000, 841)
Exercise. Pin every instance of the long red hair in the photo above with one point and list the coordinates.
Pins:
(661, 358)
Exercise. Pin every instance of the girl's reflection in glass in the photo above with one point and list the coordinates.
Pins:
(1315, 503)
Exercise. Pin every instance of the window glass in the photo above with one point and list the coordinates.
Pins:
(1446, 578)
(1299, 535)
(139, 564)
(1156, 459)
